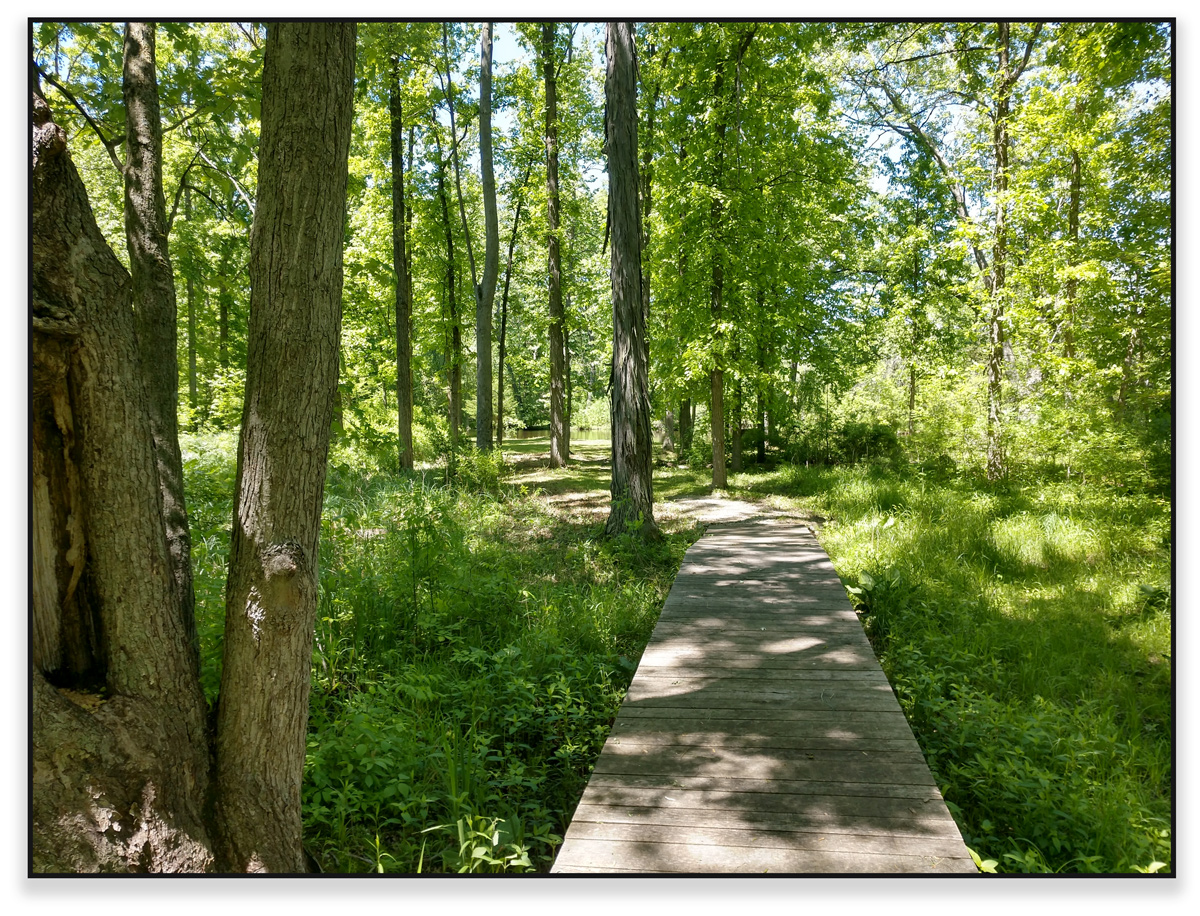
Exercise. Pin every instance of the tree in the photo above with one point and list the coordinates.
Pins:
(403, 273)
(120, 756)
(291, 377)
(632, 484)
(560, 432)
(992, 93)
(146, 230)
(485, 292)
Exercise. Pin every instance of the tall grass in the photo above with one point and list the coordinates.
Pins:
(1026, 630)
(472, 648)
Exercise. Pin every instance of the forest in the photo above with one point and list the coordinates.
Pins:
(381, 374)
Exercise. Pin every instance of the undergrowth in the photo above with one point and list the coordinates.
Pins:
(1026, 630)
(473, 646)
(471, 651)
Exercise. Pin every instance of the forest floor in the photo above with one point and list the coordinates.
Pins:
(475, 641)
(581, 490)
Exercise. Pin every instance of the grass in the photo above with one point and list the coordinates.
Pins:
(1026, 630)
(474, 644)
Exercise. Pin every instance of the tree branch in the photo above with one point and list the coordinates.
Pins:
(108, 144)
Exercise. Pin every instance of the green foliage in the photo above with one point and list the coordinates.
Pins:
(1027, 633)
(470, 653)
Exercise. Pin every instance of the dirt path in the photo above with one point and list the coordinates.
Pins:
(581, 490)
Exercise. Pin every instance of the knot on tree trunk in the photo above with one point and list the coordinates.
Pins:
(286, 575)
(48, 138)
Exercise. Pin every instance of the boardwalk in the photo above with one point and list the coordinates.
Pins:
(759, 734)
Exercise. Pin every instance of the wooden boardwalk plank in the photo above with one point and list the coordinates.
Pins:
(759, 734)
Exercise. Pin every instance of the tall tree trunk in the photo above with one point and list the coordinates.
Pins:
(454, 356)
(647, 198)
(402, 272)
(560, 434)
(912, 399)
(512, 242)
(716, 412)
(685, 424)
(485, 293)
(736, 426)
(291, 377)
(996, 317)
(119, 763)
(154, 298)
(760, 422)
(223, 323)
(193, 401)
(632, 483)
(1072, 286)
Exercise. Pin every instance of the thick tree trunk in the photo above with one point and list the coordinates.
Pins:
(401, 269)
(632, 483)
(291, 377)
(485, 293)
(119, 760)
(560, 433)
(154, 298)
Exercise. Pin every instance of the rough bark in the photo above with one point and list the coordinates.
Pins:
(291, 376)
(632, 484)
(119, 756)
(485, 292)
(154, 298)
(560, 441)
(400, 266)
(685, 424)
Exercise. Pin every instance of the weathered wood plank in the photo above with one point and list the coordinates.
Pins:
(692, 858)
(865, 806)
(801, 726)
(915, 826)
(686, 763)
(759, 733)
(822, 841)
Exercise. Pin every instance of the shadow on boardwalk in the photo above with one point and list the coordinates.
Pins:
(759, 734)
